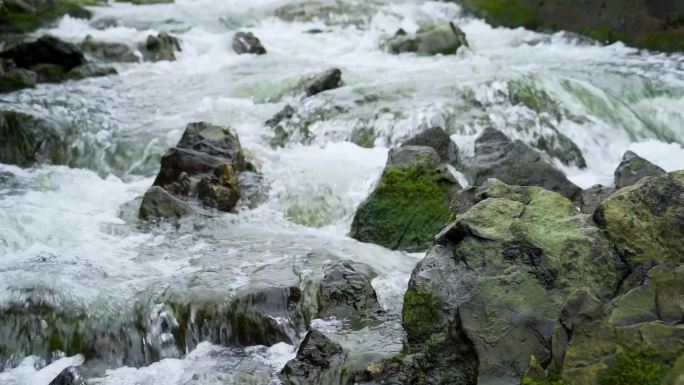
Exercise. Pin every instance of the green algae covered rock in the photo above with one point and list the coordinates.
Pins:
(410, 203)
(496, 281)
(646, 221)
(431, 40)
(648, 24)
(26, 16)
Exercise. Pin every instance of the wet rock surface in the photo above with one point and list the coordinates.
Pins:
(247, 43)
(431, 40)
(318, 361)
(159, 204)
(323, 81)
(345, 293)
(410, 202)
(107, 51)
(162, 47)
(633, 168)
(26, 140)
(437, 139)
(513, 162)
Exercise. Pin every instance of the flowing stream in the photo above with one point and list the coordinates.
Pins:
(69, 235)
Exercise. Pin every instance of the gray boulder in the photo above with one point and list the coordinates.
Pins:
(323, 81)
(106, 51)
(26, 140)
(46, 50)
(515, 163)
(430, 40)
(247, 43)
(593, 196)
(159, 204)
(633, 168)
(437, 139)
(160, 47)
(345, 293)
(319, 361)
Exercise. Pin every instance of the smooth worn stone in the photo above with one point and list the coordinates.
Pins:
(323, 81)
(160, 47)
(633, 168)
(515, 163)
(107, 51)
(437, 139)
(247, 43)
(46, 50)
(159, 204)
(318, 358)
(430, 40)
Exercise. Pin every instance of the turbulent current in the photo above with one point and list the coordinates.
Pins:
(70, 237)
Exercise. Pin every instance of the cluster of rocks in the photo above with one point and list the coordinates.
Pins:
(209, 165)
(46, 60)
(429, 40)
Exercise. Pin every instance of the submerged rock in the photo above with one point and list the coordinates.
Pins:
(160, 47)
(323, 81)
(26, 140)
(159, 204)
(410, 203)
(513, 162)
(486, 297)
(246, 42)
(430, 40)
(633, 168)
(319, 361)
(13, 78)
(114, 52)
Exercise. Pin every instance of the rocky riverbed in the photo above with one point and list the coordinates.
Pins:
(340, 192)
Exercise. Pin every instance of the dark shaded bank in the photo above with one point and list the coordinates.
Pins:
(652, 24)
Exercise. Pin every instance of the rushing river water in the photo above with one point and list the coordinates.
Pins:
(72, 232)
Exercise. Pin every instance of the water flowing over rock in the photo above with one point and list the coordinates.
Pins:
(410, 202)
(106, 51)
(68, 376)
(319, 361)
(246, 42)
(323, 81)
(439, 140)
(160, 47)
(633, 168)
(513, 162)
(159, 204)
(26, 140)
(430, 40)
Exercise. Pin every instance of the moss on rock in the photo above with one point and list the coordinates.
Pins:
(636, 367)
(421, 312)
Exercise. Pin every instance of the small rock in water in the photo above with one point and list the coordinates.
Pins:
(159, 204)
(160, 47)
(116, 52)
(323, 81)
(430, 40)
(347, 293)
(439, 140)
(247, 43)
(316, 356)
(68, 376)
(633, 168)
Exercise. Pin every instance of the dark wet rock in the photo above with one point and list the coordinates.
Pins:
(323, 81)
(46, 50)
(318, 361)
(430, 40)
(160, 47)
(69, 376)
(26, 140)
(13, 78)
(515, 163)
(286, 113)
(646, 221)
(649, 24)
(439, 140)
(410, 203)
(206, 164)
(247, 43)
(633, 168)
(51, 73)
(159, 204)
(106, 51)
(89, 70)
(345, 293)
(488, 294)
(593, 196)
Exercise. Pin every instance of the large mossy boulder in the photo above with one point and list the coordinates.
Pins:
(431, 40)
(24, 16)
(514, 162)
(645, 221)
(487, 295)
(26, 140)
(653, 24)
(410, 203)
